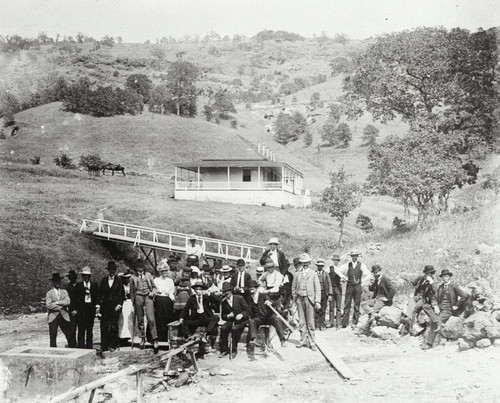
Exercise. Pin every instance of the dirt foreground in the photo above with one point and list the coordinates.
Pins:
(386, 371)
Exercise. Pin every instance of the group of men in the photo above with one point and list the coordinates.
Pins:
(229, 298)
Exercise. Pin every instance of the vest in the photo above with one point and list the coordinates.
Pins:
(354, 274)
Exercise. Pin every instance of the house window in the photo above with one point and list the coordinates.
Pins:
(247, 175)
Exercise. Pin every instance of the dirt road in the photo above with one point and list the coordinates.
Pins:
(386, 371)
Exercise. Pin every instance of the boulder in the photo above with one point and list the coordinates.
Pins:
(389, 316)
(485, 249)
(465, 344)
(483, 343)
(385, 333)
(481, 325)
(453, 328)
(225, 372)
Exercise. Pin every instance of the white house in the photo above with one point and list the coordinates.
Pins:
(239, 172)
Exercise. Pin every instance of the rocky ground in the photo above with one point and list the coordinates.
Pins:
(386, 371)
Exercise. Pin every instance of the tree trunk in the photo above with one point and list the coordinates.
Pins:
(341, 234)
(178, 105)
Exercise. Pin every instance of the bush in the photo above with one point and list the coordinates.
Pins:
(208, 112)
(399, 225)
(364, 222)
(234, 124)
(35, 160)
(64, 162)
(92, 162)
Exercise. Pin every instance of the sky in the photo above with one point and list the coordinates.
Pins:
(141, 20)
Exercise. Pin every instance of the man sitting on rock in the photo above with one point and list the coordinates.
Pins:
(383, 293)
(449, 300)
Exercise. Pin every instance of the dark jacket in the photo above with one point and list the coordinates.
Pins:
(239, 306)
(80, 295)
(325, 282)
(189, 310)
(234, 279)
(282, 262)
(425, 290)
(458, 297)
(109, 298)
(71, 292)
(134, 283)
(383, 288)
(260, 309)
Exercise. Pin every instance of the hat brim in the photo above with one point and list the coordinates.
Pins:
(202, 287)
(446, 274)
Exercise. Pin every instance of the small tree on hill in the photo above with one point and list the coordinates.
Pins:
(181, 78)
(370, 134)
(343, 134)
(364, 222)
(141, 84)
(339, 199)
(315, 101)
(493, 181)
(289, 127)
(223, 104)
(328, 132)
(308, 138)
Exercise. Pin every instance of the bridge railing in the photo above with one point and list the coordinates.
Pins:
(168, 240)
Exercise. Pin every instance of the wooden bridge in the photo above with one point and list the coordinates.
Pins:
(149, 240)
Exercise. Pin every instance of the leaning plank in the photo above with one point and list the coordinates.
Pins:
(327, 350)
(132, 369)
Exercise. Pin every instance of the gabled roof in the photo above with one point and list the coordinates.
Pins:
(236, 148)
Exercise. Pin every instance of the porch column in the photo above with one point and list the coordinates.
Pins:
(198, 177)
(282, 177)
(228, 178)
(175, 177)
(258, 176)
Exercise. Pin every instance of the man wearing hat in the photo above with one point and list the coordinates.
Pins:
(241, 279)
(449, 299)
(275, 254)
(143, 292)
(271, 280)
(193, 251)
(357, 273)
(197, 312)
(326, 294)
(306, 293)
(87, 296)
(164, 303)
(111, 296)
(261, 314)
(259, 271)
(57, 301)
(383, 293)
(184, 291)
(425, 293)
(225, 276)
(336, 301)
(235, 313)
(72, 309)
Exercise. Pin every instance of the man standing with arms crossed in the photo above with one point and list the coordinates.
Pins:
(306, 293)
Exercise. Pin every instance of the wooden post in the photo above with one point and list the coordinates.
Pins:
(138, 382)
(228, 177)
(175, 178)
(91, 397)
(282, 177)
(198, 177)
(258, 177)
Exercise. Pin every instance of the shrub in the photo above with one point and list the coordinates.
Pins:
(364, 222)
(35, 160)
(91, 162)
(399, 225)
(208, 112)
(64, 161)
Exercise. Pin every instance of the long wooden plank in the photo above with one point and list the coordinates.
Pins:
(327, 350)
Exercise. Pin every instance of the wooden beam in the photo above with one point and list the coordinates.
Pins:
(327, 350)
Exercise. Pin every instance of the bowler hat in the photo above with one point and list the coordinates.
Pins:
(268, 264)
(112, 265)
(305, 258)
(376, 268)
(240, 262)
(227, 287)
(206, 268)
(429, 269)
(56, 277)
(445, 272)
(253, 284)
(125, 274)
(273, 240)
(320, 262)
(199, 284)
(71, 273)
(86, 270)
(335, 257)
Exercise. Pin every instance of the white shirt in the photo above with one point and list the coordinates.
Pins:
(273, 254)
(230, 301)
(255, 297)
(110, 281)
(193, 250)
(273, 280)
(199, 300)
(165, 287)
(58, 293)
(88, 298)
(241, 279)
(365, 273)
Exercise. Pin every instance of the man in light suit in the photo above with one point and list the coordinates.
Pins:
(58, 301)
(142, 293)
(276, 255)
(111, 297)
(306, 293)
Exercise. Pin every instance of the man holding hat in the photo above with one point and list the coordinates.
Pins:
(449, 299)
(276, 255)
(383, 292)
(198, 312)
(241, 279)
(72, 309)
(357, 273)
(111, 296)
(193, 251)
(336, 302)
(87, 297)
(143, 292)
(306, 293)
(57, 301)
(326, 294)
(235, 313)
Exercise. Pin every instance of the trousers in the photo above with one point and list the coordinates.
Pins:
(109, 329)
(335, 307)
(305, 309)
(352, 292)
(85, 321)
(225, 330)
(436, 320)
(143, 305)
(65, 328)
(320, 314)
(258, 321)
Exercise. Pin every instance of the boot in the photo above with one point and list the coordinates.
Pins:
(142, 346)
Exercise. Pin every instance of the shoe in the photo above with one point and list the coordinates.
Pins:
(224, 354)
(203, 338)
(234, 354)
(251, 357)
(156, 347)
(283, 343)
(425, 347)
(111, 349)
(252, 342)
(142, 346)
(300, 345)
(313, 348)
(329, 326)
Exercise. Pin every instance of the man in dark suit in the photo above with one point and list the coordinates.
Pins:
(336, 302)
(235, 313)
(261, 314)
(449, 300)
(326, 294)
(276, 255)
(111, 297)
(197, 312)
(241, 279)
(72, 309)
(87, 297)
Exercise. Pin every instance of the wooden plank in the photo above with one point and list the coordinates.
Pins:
(328, 351)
